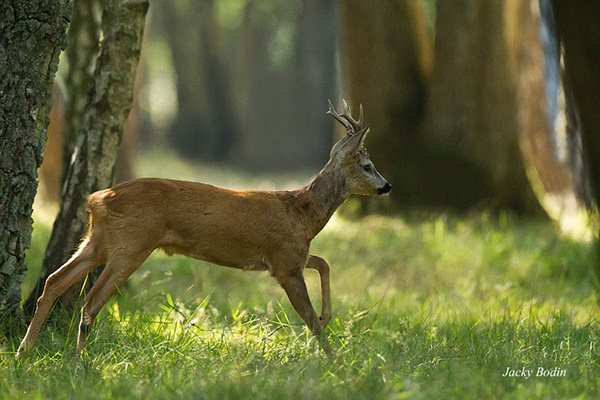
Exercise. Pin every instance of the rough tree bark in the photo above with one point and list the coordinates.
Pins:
(124, 166)
(472, 125)
(82, 52)
(386, 55)
(127, 149)
(32, 35)
(109, 103)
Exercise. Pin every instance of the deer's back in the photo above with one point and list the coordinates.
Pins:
(234, 228)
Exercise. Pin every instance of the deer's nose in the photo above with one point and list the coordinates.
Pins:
(385, 189)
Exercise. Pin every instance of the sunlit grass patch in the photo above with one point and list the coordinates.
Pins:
(424, 307)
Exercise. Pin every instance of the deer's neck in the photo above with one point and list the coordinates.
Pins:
(318, 201)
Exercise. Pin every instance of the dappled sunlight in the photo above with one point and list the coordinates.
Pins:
(473, 265)
(474, 268)
(44, 211)
(570, 215)
(413, 297)
(473, 252)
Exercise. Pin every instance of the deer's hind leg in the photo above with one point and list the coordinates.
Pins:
(319, 264)
(119, 268)
(88, 257)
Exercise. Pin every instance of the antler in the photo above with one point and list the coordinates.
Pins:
(345, 118)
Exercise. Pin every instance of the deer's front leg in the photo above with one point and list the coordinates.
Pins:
(319, 264)
(295, 287)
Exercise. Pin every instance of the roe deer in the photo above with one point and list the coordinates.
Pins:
(250, 230)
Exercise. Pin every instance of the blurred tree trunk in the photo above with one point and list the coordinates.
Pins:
(254, 80)
(552, 180)
(315, 65)
(283, 115)
(179, 20)
(219, 113)
(32, 35)
(576, 155)
(386, 56)
(565, 132)
(204, 127)
(253, 56)
(51, 170)
(578, 30)
(472, 123)
(108, 105)
(567, 129)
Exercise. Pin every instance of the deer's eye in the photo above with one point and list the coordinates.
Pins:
(367, 168)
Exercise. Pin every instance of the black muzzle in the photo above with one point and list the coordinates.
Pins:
(385, 189)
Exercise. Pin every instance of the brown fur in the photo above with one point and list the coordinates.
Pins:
(249, 230)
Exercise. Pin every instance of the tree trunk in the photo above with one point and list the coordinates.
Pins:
(315, 55)
(109, 102)
(127, 153)
(82, 52)
(285, 95)
(66, 119)
(52, 168)
(204, 126)
(472, 123)
(219, 112)
(537, 104)
(386, 59)
(579, 33)
(32, 35)
(253, 71)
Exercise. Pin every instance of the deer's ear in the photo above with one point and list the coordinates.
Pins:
(354, 143)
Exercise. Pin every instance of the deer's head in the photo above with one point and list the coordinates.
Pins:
(350, 156)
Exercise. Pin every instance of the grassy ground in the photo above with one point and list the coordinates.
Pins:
(424, 307)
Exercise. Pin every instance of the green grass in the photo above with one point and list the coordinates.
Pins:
(425, 306)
